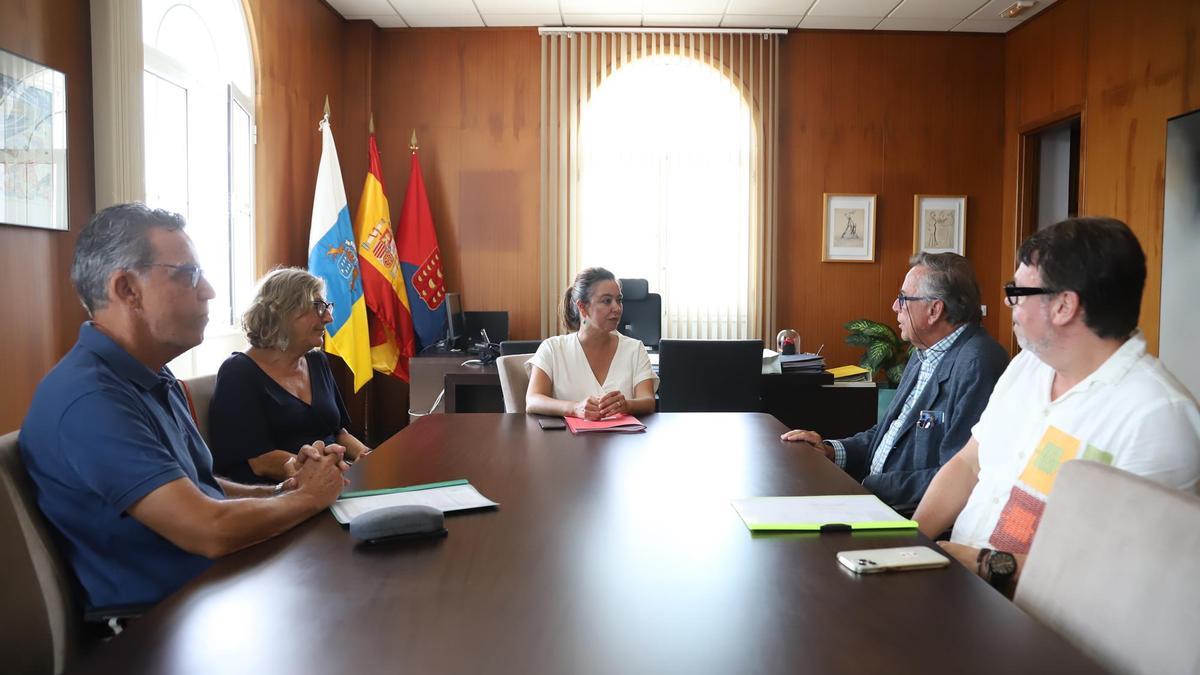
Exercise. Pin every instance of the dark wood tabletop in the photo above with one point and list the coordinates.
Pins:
(609, 553)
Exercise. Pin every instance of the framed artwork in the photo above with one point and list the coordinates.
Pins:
(33, 144)
(848, 228)
(939, 224)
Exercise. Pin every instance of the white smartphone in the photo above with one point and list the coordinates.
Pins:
(904, 558)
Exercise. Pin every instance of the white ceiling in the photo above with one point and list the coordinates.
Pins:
(969, 16)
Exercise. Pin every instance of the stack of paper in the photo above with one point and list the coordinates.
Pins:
(620, 423)
(452, 495)
(820, 513)
(802, 363)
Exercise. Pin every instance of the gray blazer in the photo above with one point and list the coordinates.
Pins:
(956, 396)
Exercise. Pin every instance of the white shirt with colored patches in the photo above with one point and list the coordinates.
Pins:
(1130, 413)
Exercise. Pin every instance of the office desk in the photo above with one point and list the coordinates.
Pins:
(609, 554)
(799, 400)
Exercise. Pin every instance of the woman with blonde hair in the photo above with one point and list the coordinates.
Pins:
(593, 372)
(279, 394)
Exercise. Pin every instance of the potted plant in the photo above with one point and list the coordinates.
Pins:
(884, 351)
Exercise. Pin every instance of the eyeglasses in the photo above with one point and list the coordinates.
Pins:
(1013, 291)
(902, 299)
(321, 306)
(193, 272)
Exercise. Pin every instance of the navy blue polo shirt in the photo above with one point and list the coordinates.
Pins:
(103, 431)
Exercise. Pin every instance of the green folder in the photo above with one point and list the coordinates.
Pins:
(405, 488)
(821, 513)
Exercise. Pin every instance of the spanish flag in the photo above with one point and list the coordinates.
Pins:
(393, 341)
(331, 256)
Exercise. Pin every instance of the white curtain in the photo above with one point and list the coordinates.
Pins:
(658, 161)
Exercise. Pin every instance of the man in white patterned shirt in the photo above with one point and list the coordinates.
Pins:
(944, 388)
(1083, 388)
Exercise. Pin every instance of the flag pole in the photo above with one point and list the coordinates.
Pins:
(412, 144)
(371, 124)
(326, 106)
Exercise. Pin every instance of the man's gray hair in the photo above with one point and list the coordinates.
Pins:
(282, 294)
(115, 239)
(949, 277)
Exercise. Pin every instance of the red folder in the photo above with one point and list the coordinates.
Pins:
(619, 423)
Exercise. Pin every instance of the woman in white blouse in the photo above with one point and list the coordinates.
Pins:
(594, 372)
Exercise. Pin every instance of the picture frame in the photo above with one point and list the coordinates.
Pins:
(939, 224)
(848, 228)
(33, 144)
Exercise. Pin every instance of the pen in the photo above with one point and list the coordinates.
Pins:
(820, 348)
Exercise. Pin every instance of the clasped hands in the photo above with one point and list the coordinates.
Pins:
(315, 460)
(597, 408)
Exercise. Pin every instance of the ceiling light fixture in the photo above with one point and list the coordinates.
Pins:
(1016, 9)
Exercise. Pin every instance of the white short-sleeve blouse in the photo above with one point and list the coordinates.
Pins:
(561, 357)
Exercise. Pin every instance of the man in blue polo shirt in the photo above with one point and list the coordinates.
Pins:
(120, 469)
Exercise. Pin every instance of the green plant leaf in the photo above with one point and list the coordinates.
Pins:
(895, 373)
(857, 325)
(859, 340)
(878, 330)
(878, 354)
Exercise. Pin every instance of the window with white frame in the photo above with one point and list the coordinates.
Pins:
(198, 92)
(666, 179)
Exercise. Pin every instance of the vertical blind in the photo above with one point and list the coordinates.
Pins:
(574, 69)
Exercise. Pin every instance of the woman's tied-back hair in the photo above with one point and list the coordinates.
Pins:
(585, 283)
(282, 294)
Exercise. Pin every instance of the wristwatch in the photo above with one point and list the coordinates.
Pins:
(996, 567)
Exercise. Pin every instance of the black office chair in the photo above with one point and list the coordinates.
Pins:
(642, 316)
(510, 347)
(709, 375)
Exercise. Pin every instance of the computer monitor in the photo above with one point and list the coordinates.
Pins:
(456, 328)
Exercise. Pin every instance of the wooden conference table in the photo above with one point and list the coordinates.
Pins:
(609, 554)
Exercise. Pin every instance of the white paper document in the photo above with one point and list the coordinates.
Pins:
(812, 513)
(452, 498)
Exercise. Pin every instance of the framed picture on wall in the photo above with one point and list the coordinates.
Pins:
(848, 228)
(939, 224)
(33, 144)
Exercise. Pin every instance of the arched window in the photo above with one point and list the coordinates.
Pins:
(199, 139)
(666, 178)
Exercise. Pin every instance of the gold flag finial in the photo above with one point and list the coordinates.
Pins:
(371, 125)
(412, 143)
(327, 105)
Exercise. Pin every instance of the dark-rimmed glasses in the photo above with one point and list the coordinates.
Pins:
(1012, 292)
(193, 272)
(901, 298)
(321, 307)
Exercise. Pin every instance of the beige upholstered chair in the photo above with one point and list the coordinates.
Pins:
(1113, 570)
(200, 391)
(514, 381)
(40, 618)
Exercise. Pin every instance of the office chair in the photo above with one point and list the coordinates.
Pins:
(642, 315)
(709, 375)
(40, 615)
(199, 391)
(514, 381)
(510, 347)
(1113, 570)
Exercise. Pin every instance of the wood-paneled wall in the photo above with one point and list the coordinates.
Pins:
(43, 314)
(893, 114)
(473, 98)
(1127, 68)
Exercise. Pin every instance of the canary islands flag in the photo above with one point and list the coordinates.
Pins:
(393, 341)
(421, 260)
(332, 256)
